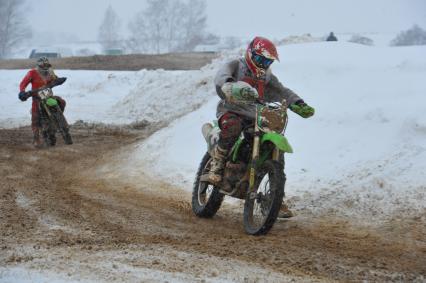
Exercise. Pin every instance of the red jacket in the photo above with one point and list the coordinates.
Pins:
(36, 80)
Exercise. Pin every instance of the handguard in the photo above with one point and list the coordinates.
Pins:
(303, 110)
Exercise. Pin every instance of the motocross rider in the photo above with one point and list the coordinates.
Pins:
(41, 76)
(249, 76)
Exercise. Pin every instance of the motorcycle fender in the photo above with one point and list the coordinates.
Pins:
(278, 140)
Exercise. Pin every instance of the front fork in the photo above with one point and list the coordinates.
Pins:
(46, 109)
(255, 157)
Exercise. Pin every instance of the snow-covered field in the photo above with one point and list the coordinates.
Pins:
(362, 155)
(114, 97)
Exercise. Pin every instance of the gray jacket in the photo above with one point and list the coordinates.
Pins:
(237, 70)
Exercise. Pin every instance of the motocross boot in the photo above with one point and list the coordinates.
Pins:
(37, 140)
(217, 165)
(285, 212)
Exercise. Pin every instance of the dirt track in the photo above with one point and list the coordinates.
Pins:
(59, 212)
(136, 62)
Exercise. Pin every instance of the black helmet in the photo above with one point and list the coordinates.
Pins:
(43, 63)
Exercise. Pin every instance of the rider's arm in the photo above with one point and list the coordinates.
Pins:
(224, 75)
(275, 88)
(295, 103)
(25, 81)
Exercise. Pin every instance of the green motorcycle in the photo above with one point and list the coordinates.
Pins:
(254, 170)
(52, 120)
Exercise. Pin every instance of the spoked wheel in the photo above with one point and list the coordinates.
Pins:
(48, 132)
(52, 138)
(262, 206)
(63, 126)
(206, 198)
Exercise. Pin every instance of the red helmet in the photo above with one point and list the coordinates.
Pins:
(260, 54)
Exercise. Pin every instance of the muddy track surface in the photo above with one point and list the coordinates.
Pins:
(135, 62)
(62, 212)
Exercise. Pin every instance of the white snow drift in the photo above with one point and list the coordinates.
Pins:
(114, 97)
(362, 155)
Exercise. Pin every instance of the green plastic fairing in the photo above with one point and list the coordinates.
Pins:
(279, 141)
(236, 149)
(51, 102)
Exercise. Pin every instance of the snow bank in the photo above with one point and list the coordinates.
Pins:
(23, 275)
(115, 97)
(89, 95)
(364, 152)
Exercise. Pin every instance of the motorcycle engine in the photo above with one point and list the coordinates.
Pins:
(234, 176)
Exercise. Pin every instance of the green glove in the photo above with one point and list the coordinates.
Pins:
(302, 109)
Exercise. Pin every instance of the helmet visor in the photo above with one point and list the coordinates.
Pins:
(261, 61)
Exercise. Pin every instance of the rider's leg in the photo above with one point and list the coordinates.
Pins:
(231, 126)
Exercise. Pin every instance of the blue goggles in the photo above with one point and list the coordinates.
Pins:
(261, 61)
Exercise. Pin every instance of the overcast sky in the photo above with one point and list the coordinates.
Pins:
(244, 18)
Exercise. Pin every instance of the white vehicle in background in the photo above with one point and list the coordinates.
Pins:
(35, 53)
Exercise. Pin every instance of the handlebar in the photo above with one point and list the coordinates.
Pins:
(274, 105)
(58, 81)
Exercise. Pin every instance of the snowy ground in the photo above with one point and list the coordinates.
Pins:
(362, 155)
(363, 152)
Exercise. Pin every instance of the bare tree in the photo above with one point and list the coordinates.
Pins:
(413, 36)
(167, 26)
(194, 25)
(232, 42)
(154, 29)
(211, 39)
(137, 42)
(109, 30)
(13, 27)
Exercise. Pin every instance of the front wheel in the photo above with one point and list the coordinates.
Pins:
(48, 130)
(206, 198)
(261, 207)
(63, 126)
(49, 136)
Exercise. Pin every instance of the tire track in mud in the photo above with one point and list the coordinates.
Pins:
(57, 209)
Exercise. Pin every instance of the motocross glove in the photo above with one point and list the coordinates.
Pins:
(239, 92)
(302, 109)
(23, 96)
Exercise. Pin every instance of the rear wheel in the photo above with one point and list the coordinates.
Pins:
(206, 198)
(262, 206)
